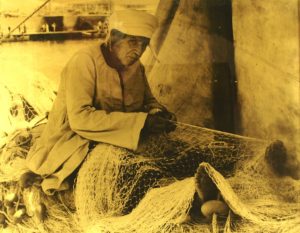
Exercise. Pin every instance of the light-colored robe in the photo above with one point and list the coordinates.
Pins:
(92, 104)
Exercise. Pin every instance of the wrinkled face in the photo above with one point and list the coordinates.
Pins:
(128, 49)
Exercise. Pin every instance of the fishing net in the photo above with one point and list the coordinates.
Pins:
(26, 97)
(153, 189)
(60, 210)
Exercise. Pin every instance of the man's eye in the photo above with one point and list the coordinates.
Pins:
(137, 41)
(132, 39)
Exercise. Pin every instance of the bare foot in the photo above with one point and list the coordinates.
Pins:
(28, 179)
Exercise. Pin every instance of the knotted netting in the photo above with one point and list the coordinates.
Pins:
(59, 216)
(26, 96)
(152, 189)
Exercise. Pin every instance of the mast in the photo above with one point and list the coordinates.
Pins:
(28, 17)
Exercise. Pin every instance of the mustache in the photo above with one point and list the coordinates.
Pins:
(134, 53)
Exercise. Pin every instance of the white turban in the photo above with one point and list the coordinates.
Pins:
(134, 22)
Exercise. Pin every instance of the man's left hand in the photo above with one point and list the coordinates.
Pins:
(167, 115)
(171, 117)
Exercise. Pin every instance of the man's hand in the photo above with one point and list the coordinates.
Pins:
(164, 113)
(167, 115)
(157, 125)
(160, 122)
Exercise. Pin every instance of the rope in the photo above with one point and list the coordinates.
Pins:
(218, 131)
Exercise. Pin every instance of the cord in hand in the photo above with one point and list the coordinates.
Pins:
(160, 122)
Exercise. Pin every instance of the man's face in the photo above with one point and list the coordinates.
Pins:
(129, 49)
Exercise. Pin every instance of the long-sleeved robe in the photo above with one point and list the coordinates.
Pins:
(94, 103)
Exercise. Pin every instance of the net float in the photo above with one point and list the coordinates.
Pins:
(10, 198)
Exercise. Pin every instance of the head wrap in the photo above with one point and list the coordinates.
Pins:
(134, 22)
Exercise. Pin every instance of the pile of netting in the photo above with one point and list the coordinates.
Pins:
(150, 190)
(19, 206)
(154, 188)
(112, 180)
(26, 95)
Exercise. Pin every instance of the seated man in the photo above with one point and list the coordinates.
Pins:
(104, 97)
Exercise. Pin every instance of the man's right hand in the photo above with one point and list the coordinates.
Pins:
(156, 124)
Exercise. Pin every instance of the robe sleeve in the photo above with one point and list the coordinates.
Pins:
(150, 102)
(116, 128)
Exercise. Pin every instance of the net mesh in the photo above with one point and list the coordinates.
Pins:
(152, 189)
(60, 208)
(26, 97)
(157, 183)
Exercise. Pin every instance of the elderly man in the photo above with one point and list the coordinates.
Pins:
(103, 97)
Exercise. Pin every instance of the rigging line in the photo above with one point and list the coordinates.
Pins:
(28, 17)
(221, 132)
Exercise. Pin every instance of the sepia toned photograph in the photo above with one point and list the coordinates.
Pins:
(150, 116)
